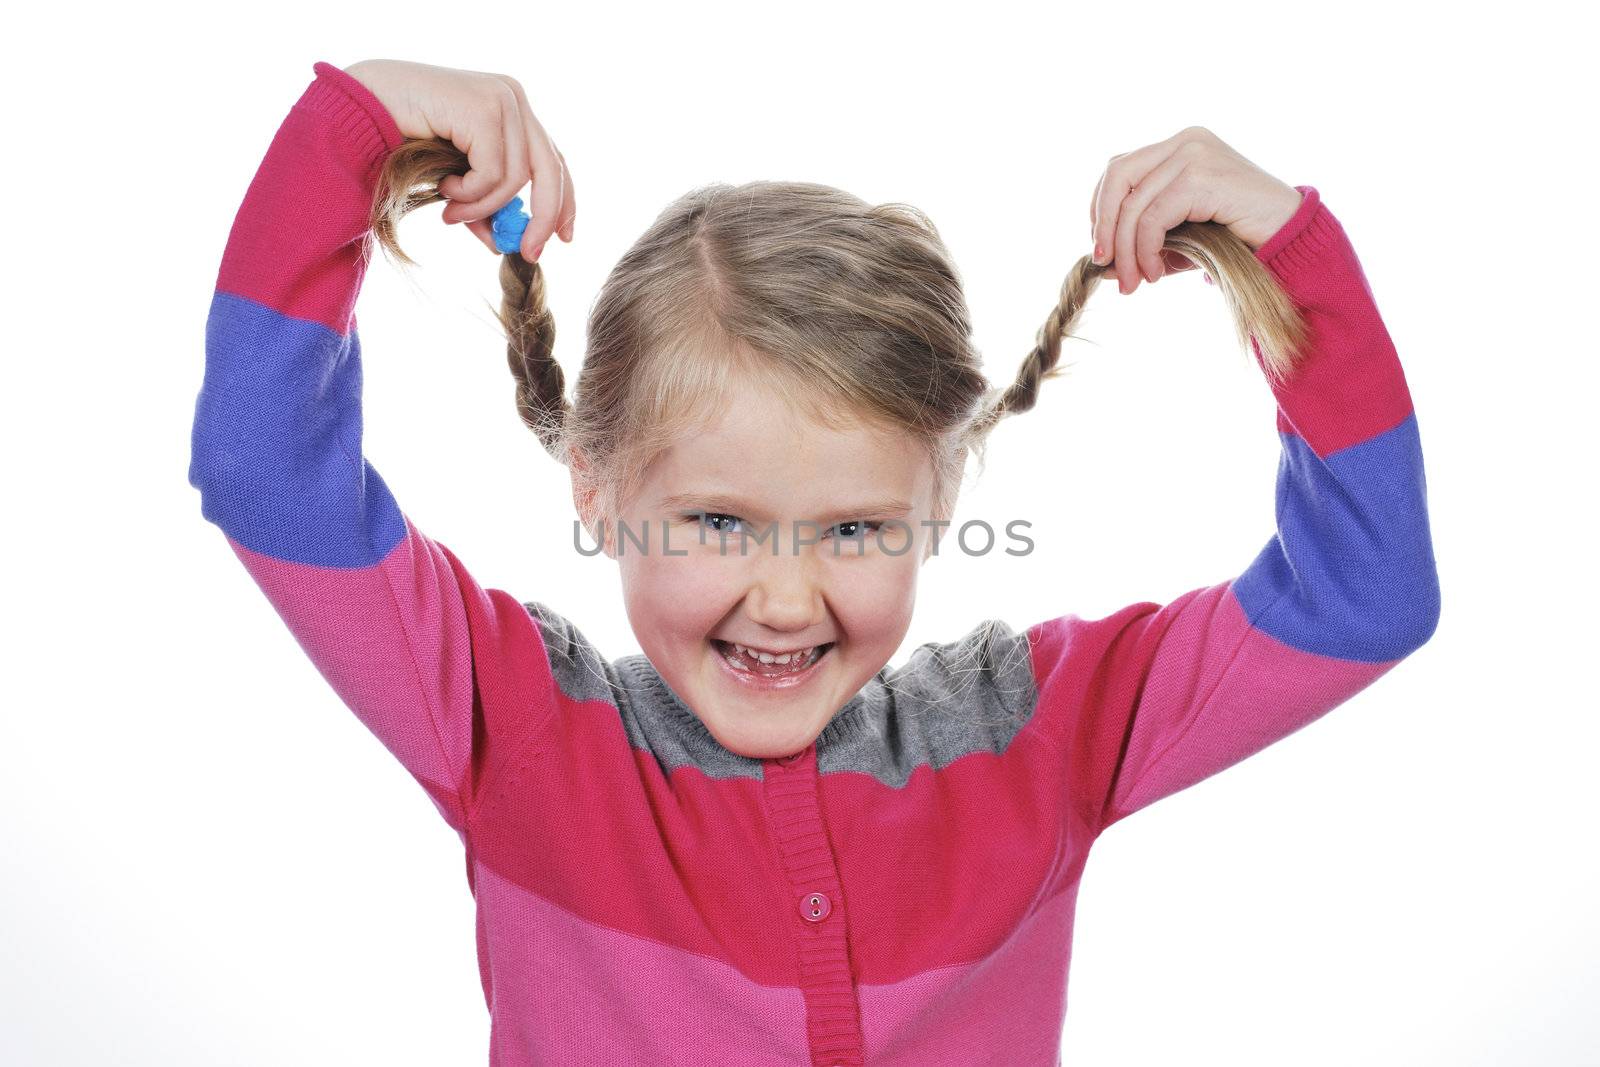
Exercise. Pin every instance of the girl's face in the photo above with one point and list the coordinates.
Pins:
(814, 568)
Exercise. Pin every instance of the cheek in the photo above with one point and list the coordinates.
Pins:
(680, 595)
(876, 599)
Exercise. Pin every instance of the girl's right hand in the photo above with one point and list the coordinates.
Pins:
(487, 117)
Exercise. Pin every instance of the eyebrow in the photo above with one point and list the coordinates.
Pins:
(725, 504)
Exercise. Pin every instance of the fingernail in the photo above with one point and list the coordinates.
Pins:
(538, 251)
(1099, 256)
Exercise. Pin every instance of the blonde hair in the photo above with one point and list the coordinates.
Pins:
(850, 311)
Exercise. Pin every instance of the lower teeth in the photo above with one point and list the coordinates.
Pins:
(742, 662)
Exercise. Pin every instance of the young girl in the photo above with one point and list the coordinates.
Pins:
(754, 843)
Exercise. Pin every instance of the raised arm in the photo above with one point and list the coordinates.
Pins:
(1157, 697)
(381, 609)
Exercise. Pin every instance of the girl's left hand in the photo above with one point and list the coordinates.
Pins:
(1192, 176)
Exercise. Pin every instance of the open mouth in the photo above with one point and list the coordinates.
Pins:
(766, 665)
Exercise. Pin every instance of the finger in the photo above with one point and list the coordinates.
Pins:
(517, 169)
(486, 167)
(1167, 196)
(1094, 209)
(486, 148)
(548, 199)
(1122, 174)
(546, 209)
(514, 173)
(1108, 196)
(1107, 207)
(513, 138)
(1135, 232)
(572, 202)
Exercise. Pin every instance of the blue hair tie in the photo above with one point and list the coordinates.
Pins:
(508, 224)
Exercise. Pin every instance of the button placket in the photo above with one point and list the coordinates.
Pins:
(822, 945)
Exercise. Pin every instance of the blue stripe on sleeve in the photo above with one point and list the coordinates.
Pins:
(1350, 572)
(276, 443)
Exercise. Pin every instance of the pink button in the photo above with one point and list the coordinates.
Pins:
(815, 907)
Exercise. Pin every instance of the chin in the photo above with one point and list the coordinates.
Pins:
(761, 751)
(749, 735)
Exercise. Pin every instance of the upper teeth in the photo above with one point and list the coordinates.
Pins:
(768, 657)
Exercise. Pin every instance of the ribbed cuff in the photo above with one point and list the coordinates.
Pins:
(360, 118)
(1310, 231)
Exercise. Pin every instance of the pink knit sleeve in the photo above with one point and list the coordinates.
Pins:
(385, 613)
(1156, 697)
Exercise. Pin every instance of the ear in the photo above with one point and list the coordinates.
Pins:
(584, 497)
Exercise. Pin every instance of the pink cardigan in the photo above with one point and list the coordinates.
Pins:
(899, 893)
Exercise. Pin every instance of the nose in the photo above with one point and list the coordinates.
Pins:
(785, 593)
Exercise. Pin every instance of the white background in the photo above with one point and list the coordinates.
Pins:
(208, 860)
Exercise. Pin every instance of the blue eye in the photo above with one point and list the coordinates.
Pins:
(873, 526)
(716, 515)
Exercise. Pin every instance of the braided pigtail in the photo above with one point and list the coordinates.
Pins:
(409, 179)
(1261, 312)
